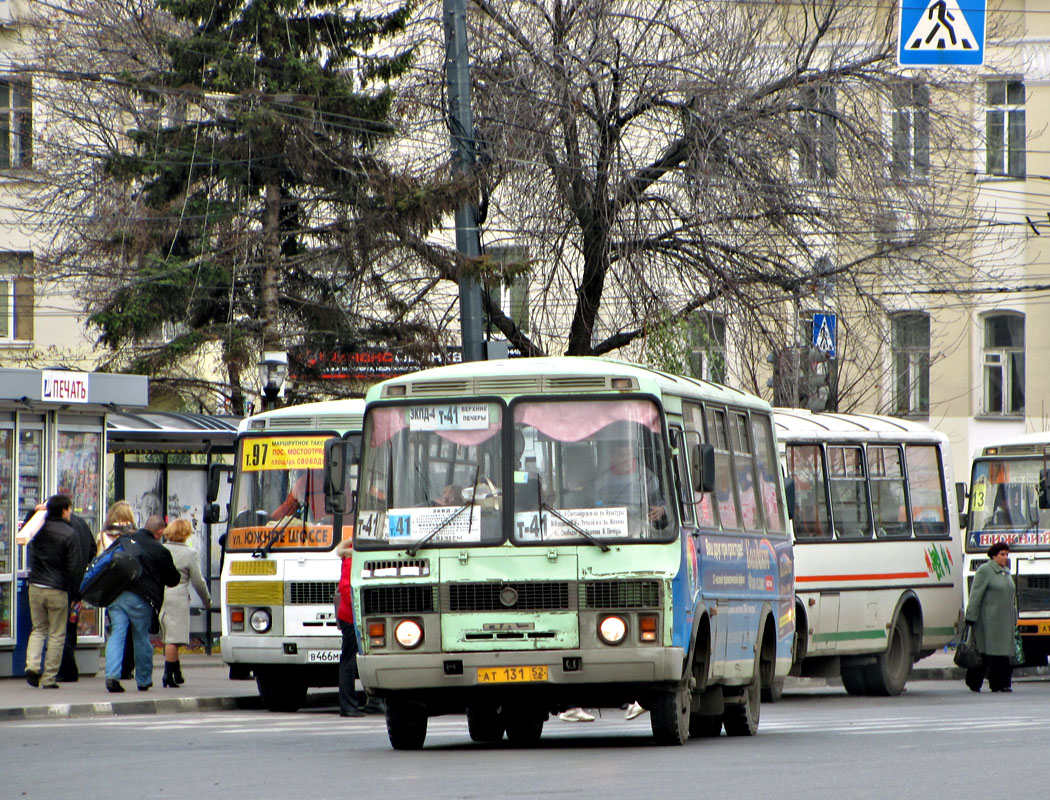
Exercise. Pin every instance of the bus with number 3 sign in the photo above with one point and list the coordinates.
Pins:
(280, 571)
(534, 535)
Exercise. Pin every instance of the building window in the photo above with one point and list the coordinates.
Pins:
(1004, 121)
(816, 155)
(16, 124)
(707, 346)
(16, 297)
(1004, 364)
(511, 293)
(911, 130)
(911, 363)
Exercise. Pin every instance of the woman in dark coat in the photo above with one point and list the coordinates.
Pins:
(992, 611)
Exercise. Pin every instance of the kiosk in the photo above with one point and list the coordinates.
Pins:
(52, 438)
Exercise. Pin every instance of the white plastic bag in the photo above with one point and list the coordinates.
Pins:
(32, 527)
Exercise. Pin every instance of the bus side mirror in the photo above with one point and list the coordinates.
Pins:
(960, 502)
(702, 466)
(214, 476)
(212, 512)
(338, 456)
(789, 493)
(1044, 490)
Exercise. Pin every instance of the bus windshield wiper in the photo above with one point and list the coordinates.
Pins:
(275, 534)
(415, 548)
(586, 534)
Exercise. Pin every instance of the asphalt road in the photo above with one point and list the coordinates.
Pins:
(936, 741)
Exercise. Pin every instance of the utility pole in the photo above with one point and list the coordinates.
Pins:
(461, 126)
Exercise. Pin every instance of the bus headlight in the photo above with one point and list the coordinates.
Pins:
(612, 629)
(408, 633)
(260, 620)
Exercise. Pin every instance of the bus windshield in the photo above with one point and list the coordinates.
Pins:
(431, 472)
(1004, 505)
(278, 499)
(589, 469)
(580, 472)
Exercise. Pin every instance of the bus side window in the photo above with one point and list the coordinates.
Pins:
(703, 504)
(744, 462)
(680, 468)
(805, 464)
(766, 464)
(728, 512)
(849, 492)
(928, 499)
(886, 470)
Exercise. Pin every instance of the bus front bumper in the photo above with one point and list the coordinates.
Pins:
(258, 649)
(565, 668)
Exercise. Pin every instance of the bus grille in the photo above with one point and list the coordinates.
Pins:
(1033, 592)
(397, 599)
(620, 594)
(525, 596)
(311, 593)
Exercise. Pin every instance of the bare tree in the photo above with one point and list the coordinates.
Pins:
(655, 158)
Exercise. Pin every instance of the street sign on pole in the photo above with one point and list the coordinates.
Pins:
(941, 33)
(824, 333)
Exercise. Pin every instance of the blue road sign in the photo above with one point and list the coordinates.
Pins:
(824, 333)
(941, 33)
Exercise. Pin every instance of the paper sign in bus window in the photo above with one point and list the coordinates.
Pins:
(598, 522)
(454, 417)
(453, 524)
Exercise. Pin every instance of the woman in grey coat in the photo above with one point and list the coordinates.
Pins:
(175, 613)
(992, 611)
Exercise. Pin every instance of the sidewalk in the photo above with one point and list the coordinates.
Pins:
(208, 688)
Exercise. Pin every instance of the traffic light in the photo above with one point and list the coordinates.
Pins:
(816, 380)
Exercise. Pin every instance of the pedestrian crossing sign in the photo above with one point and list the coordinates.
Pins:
(824, 333)
(941, 33)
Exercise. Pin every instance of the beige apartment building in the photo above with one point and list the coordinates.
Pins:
(969, 363)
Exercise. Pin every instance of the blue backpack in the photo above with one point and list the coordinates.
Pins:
(111, 571)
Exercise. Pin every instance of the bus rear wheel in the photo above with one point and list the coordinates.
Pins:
(485, 723)
(669, 715)
(280, 689)
(887, 676)
(741, 719)
(406, 724)
(523, 725)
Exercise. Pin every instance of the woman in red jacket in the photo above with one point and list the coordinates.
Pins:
(350, 702)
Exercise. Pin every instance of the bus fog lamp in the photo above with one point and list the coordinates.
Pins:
(377, 633)
(408, 633)
(236, 619)
(612, 629)
(260, 620)
(647, 624)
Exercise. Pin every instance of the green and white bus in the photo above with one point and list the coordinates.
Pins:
(877, 545)
(280, 571)
(539, 534)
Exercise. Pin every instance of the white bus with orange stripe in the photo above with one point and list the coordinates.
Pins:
(879, 566)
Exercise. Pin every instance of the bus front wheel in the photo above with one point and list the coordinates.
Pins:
(669, 715)
(406, 724)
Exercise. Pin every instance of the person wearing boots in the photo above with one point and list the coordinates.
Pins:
(134, 607)
(175, 613)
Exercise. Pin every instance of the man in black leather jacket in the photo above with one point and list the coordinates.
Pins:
(135, 606)
(54, 562)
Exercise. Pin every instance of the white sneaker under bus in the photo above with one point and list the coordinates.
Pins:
(633, 710)
(576, 715)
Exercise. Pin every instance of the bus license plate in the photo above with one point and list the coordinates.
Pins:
(512, 674)
(322, 656)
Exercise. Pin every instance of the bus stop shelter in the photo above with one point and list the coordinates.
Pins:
(160, 463)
